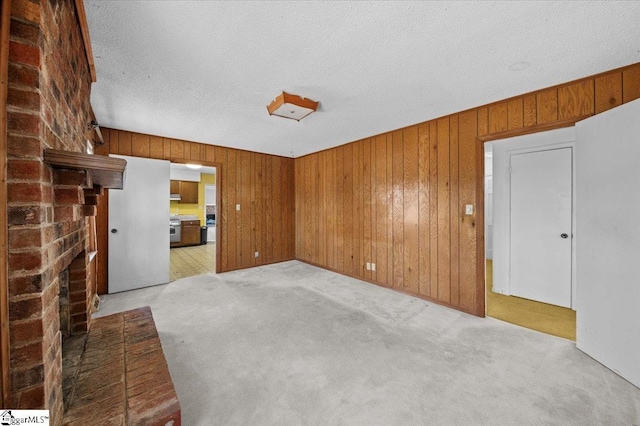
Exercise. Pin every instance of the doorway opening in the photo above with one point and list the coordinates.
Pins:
(193, 211)
(528, 193)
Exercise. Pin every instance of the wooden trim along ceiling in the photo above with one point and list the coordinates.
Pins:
(84, 29)
(529, 130)
(5, 385)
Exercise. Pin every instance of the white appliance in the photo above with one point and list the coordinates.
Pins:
(211, 233)
(175, 230)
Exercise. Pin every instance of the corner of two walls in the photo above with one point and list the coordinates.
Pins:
(397, 200)
(260, 183)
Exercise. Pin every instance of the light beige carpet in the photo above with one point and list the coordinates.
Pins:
(291, 344)
(543, 317)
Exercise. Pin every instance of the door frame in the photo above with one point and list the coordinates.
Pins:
(219, 178)
(103, 228)
(219, 217)
(481, 283)
(503, 240)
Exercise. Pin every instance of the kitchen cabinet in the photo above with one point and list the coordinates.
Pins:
(188, 191)
(174, 187)
(190, 232)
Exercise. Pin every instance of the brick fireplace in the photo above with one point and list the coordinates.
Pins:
(49, 208)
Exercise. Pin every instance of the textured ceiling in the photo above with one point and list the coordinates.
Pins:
(205, 71)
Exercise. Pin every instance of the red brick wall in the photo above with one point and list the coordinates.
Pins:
(48, 107)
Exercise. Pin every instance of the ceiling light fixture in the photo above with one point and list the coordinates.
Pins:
(194, 166)
(291, 106)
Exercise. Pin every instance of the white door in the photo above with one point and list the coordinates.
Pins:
(139, 226)
(541, 199)
(608, 239)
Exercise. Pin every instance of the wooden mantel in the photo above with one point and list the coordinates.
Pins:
(107, 172)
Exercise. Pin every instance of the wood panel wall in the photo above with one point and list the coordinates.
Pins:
(261, 184)
(398, 199)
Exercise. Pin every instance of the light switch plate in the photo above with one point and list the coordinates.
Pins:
(468, 209)
(238, 207)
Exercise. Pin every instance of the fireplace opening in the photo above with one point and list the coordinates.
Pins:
(75, 297)
(63, 300)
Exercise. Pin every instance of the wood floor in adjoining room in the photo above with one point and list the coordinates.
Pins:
(550, 319)
(191, 261)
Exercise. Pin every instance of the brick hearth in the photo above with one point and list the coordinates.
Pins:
(121, 377)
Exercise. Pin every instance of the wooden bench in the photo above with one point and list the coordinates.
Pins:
(122, 377)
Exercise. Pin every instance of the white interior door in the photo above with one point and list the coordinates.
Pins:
(608, 239)
(139, 226)
(541, 201)
(502, 150)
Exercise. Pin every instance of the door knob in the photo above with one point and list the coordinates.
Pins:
(563, 235)
(114, 231)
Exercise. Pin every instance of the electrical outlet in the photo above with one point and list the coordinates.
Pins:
(257, 254)
(238, 207)
(373, 266)
(368, 266)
